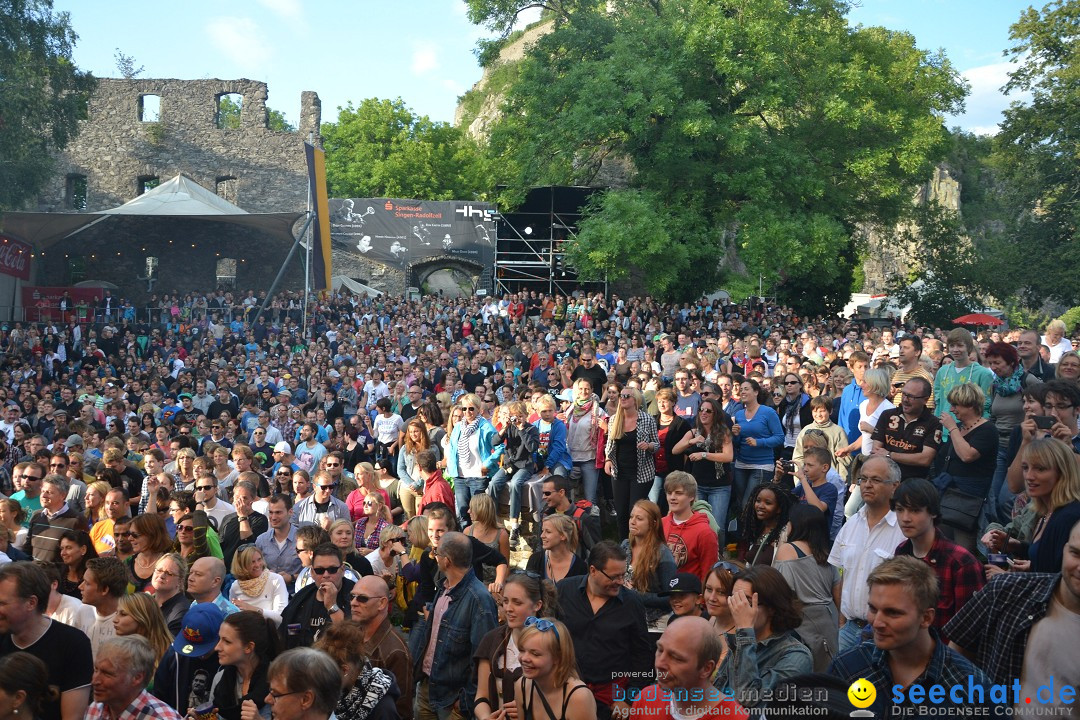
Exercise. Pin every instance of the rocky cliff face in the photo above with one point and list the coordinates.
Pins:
(888, 254)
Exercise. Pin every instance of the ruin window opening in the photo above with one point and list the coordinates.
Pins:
(229, 108)
(227, 188)
(75, 193)
(145, 183)
(226, 273)
(149, 108)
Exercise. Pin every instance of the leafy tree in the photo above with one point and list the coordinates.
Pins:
(42, 96)
(380, 148)
(229, 116)
(952, 273)
(126, 65)
(772, 122)
(1038, 147)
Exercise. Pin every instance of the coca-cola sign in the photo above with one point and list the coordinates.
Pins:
(14, 257)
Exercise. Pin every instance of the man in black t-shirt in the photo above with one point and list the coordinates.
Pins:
(591, 371)
(24, 595)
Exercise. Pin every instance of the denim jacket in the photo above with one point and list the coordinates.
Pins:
(752, 668)
(470, 616)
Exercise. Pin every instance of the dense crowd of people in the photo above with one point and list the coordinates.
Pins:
(532, 507)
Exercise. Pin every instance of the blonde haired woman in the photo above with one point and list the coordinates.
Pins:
(550, 675)
(1056, 341)
(138, 614)
(257, 588)
(558, 558)
(632, 443)
(1052, 481)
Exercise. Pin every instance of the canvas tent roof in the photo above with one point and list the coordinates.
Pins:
(180, 197)
(354, 286)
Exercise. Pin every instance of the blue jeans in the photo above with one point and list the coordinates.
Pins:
(464, 489)
(745, 482)
(590, 476)
(719, 498)
(500, 480)
(850, 636)
(1000, 500)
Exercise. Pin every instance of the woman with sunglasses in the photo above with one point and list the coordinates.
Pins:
(764, 648)
(707, 450)
(794, 412)
(281, 482)
(498, 664)
(256, 588)
(550, 688)
(370, 524)
(473, 455)
(629, 453)
(191, 541)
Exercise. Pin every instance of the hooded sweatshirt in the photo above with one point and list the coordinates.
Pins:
(693, 544)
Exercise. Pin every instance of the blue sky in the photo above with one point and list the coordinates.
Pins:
(421, 50)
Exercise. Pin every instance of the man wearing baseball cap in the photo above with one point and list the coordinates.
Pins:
(184, 676)
(283, 455)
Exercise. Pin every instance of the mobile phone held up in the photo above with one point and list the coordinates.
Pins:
(1000, 560)
(1044, 422)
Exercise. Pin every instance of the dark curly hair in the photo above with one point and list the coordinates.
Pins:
(775, 594)
(752, 528)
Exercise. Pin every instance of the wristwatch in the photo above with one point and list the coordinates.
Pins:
(241, 518)
(334, 608)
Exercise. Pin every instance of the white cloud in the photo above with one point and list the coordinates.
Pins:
(291, 10)
(424, 58)
(241, 40)
(987, 100)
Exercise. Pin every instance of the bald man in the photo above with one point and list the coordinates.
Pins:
(383, 643)
(204, 584)
(686, 655)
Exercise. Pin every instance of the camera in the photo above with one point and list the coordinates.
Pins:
(789, 467)
(1000, 560)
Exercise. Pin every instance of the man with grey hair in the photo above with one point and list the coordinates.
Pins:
(445, 641)
(53, 519)
(868, 538)
(305, 684)
(122, 670)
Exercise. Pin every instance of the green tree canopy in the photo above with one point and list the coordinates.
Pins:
(773, 122)
(381, 148)
(42, 96)
(1038, 147)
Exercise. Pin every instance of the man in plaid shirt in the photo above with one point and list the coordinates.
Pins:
(917, 506)
(1023, 626)
(907, 651)
(122, 669)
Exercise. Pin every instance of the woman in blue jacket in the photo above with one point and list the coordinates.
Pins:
(758, 433)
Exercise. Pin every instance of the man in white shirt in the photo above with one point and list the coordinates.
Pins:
(868, 538)
(104, 581)
(207, 500)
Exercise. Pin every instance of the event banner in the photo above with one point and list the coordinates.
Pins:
(400, 232)
(42, 304)
(15, 257)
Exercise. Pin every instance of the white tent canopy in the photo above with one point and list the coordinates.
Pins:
(337, 281)
(180, 198)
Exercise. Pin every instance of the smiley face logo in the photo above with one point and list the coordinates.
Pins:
(862, 693)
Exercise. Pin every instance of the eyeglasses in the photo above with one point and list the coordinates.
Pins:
(325, 570)
(185, 528)
(327, 487)
(302, 550)
(206, 487)
(542, 625)
(547, 493)
(526, 573)
(705, 411)
(469, 408)
(728, 567)
(166, 573)
(625, 396)
(1048, 406)
(791, 382)
(617, 578)
(278, 696)
(333, 464)
(284, 473)
(863, 480)
(134, 535)
(362, 598)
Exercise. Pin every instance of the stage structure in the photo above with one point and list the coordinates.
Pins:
(530, 253)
